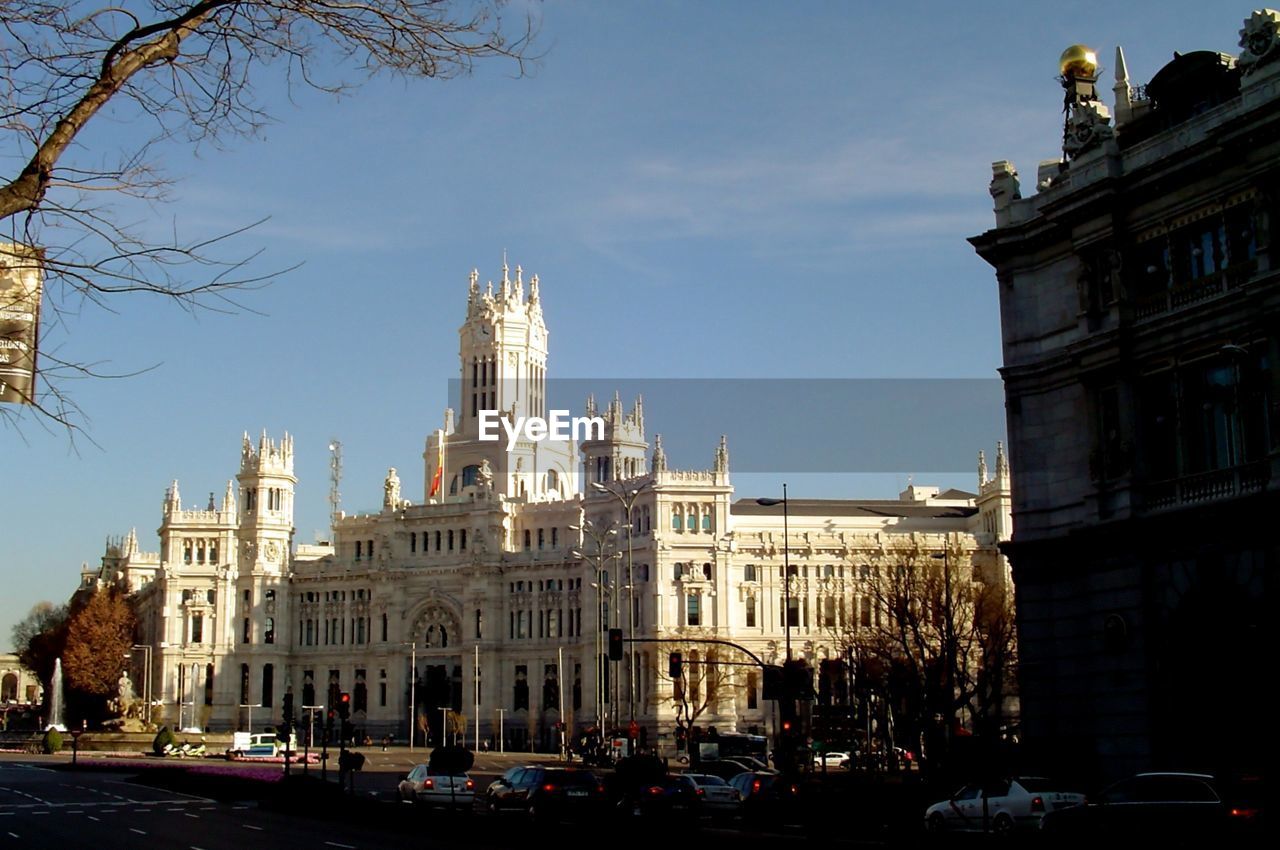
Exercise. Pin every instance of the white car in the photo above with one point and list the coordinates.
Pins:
(1010, 804)
(718, 798)
(438, 788)
(832, 761)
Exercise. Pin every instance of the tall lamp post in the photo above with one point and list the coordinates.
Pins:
(948, 640)
(786, 562)
(146, 678)
(601, 540)
(413, 687)
(627, 496)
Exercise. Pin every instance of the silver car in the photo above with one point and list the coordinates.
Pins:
(434, 787)
(1000, 807)
(719, 798)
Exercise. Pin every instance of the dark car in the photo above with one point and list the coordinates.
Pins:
(1174, 809)
(547, 793)
(768, 796)
(672, 796)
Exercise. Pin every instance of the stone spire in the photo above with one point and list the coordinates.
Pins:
(229, 497)
(982, 468)
(1002, 464)
(172, 499)
(533, 291)
(591, 405)
(131, 543)
(722, 455)
(1122, 90)
(659, 456)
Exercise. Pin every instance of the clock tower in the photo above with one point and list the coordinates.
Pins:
(502, 350)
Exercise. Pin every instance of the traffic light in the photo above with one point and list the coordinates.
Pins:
(615, 644)
(674, 663)
(344, 705)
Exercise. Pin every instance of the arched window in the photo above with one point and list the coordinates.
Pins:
(268, 685)
(269, 634)
(553, 480)
(706, 571)
(691, 522)
(470, 475)
(675, 518)
(453, 486)
(706, 521)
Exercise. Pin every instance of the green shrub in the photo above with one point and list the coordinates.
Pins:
(164, 737)
(53, 741)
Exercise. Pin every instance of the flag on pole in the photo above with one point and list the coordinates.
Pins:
(436, 479)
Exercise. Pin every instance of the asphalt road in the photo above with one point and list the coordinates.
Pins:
(42, 804)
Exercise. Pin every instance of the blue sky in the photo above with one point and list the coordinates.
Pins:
(729, 189)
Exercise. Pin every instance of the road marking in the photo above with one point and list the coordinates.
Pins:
(189, 815)
(14, 835)
(91, 817)
(251, 826)
(39, 813)
(133, 829)
(207, 808)
(343, 846)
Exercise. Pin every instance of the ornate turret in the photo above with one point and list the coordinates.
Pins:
(659, 456)
(722, 455)
(622, 452)
(1088, 122)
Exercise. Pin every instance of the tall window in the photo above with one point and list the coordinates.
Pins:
(268, 685)
(751, 612)
(244, 684)
(269, 631)
(197, 628)
(749, 572)
(693, 610)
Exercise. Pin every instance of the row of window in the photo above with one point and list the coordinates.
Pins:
(692, 518)
(551, 623)
(545, 584)
(359, 594)
(446, 540)
(199, 550)
(542, 537)
(276, 498)
(333, 631)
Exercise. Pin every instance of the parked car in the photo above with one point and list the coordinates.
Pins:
(549, 793)
(831, 761)
(999, 807)
(719, 798)
(1168, 808)
(434, 787)
(726, 769)
(767, 796)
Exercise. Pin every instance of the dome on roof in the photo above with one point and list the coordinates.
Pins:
(1078, 60)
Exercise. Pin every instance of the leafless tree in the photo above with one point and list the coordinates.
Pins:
(178, 71)
(704, 684)
(933, 635)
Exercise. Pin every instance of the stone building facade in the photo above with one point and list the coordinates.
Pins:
(1138, 291)
(496, 585)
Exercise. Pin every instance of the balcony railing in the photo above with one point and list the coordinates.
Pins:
(1206, 486)
(1194, 291)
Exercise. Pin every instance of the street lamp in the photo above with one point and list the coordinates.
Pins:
(602, 540)
(413, 685)
(786, 562)
(948, 640)
(146, 678)
(627, 496)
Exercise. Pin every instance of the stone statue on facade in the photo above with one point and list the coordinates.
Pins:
(485, 474)
(391, 490)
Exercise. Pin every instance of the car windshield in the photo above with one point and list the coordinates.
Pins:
(707, 779)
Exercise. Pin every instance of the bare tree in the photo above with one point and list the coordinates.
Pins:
(932, 635)
(184, 71)
(705, 683)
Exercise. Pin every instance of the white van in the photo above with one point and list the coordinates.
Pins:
(259, 744)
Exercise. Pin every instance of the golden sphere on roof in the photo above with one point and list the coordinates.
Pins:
(1078, 60)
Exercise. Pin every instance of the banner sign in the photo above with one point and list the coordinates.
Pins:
(20, 291)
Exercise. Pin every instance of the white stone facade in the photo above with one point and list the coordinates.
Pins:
(489, 570)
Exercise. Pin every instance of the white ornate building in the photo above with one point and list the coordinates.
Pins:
(488, 580)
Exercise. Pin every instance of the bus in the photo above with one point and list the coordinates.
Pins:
(727, 745)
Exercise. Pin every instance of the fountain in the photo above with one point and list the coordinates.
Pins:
(55, 699)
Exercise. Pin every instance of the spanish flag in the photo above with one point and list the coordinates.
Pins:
(435, 480)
